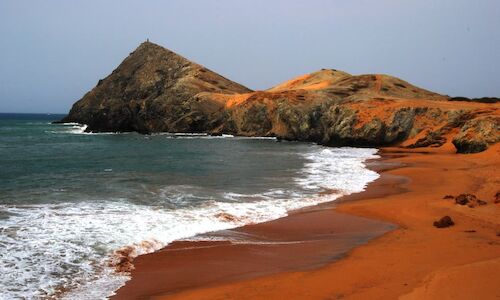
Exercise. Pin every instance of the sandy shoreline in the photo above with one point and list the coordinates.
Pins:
(415, 261)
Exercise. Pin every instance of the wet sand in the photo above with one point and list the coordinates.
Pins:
(312, 254)
(306, 239)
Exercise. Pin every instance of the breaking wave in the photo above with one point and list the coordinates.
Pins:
(84, 250)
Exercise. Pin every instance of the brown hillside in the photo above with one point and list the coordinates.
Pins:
(156, 90)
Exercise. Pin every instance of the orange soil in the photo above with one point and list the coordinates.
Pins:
(416, 261)
(287, 85)
(237, 99)
(318, 86)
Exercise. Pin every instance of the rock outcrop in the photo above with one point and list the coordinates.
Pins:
(156, 90)
(477, 134)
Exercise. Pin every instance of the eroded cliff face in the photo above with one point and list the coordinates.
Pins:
(156, 90)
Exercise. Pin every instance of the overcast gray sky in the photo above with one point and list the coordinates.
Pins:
(52, 52)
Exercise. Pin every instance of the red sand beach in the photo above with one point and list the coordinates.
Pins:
(315, 253)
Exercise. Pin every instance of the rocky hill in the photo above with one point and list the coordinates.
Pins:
(153, 90)
(156, 90)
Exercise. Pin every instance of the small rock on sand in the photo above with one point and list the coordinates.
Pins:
(444, 222)
(464, 199)
(470, 200)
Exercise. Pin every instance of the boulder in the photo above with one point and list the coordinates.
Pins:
(478, 134)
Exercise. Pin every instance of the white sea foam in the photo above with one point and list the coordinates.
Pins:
(340, 169)
(76, 128)
(45, 247)
(70, 127)
(69, 124)
(181, 135)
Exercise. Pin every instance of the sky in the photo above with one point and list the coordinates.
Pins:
(53, 52)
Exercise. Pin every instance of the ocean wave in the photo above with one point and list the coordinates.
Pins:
(87, 247)
(73, 128)
(76, 128)
(181, 135)
(341, 169)
(69, 124)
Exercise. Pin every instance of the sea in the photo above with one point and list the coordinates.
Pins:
(70, 199)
